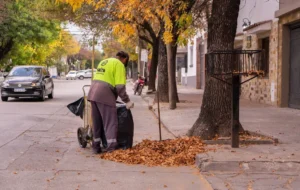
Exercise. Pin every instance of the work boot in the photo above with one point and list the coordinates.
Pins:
(96, 148)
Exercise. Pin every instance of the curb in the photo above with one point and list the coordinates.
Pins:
(205, 164)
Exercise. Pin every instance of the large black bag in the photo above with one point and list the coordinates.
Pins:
(125, 127)
(77, 107)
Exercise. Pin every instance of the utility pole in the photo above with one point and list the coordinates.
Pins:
(93, 57)
(139, 58)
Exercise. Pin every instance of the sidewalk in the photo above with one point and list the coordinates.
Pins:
(234, 168)
(186, 112)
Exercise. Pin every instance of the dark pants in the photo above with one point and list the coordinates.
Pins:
(105, 125)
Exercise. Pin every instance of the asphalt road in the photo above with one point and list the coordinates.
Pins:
(39, 149)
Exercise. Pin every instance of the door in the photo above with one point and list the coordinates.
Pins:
(294, 93)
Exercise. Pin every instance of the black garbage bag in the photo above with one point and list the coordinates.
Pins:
(125, 127)
(77, 107)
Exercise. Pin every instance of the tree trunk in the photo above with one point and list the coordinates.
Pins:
(163, 86)
(215, 116)
(153, 67)
(171, 53)
(6, 48)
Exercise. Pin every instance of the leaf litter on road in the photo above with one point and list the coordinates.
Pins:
(175, 152)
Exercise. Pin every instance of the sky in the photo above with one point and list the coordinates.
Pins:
(78, 34)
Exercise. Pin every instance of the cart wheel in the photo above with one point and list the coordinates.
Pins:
(80, 136)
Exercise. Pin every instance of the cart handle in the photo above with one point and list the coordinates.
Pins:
(83, 89)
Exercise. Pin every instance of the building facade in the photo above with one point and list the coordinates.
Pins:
(289, 53)
(181, 62)
(193, 74)
(257, 29)
(272, 26)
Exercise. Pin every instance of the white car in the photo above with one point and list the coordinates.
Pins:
(71, 75)
(85, 74)
(81, 74)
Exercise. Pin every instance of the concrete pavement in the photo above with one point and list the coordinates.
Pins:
(249, 167)
(39, 149)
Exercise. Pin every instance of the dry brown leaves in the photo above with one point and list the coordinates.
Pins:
(247, 136)
(175, 152)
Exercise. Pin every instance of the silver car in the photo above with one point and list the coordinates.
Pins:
(81, 74)
(71, 75)
(85, 74)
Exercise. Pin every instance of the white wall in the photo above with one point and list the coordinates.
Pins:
(192, 57)
(256, 11)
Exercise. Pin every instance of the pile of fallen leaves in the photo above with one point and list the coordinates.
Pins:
(175, 152)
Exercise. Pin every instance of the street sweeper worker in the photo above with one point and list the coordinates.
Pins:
(108, 84)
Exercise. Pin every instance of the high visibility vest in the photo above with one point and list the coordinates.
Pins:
(112, 71)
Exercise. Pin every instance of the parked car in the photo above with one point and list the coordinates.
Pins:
(85, 74)
(27, 81)
(71, 75)
(81, 74)
(88, 73)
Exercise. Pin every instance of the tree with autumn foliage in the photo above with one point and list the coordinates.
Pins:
(141, 19)
(26, 38)
(65, 45)
(151, 21)
(157, 20)
(178, 17)
(167, 20)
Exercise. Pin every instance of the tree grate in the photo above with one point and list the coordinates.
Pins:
(228, 67)
(223, 64)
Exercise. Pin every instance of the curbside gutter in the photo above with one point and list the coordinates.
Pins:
(206, 163)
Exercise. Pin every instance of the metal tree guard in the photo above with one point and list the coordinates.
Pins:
(228, 67)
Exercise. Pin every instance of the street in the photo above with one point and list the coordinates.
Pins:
(39, 149)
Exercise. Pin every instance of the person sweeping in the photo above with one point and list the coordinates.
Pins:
(108, 84)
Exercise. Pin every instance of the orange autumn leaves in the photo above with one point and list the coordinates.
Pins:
(130, 14)
(175, 152)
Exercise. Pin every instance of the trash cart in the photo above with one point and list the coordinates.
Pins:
(82, 108)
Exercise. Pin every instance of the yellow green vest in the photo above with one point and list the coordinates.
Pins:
(112, 71)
